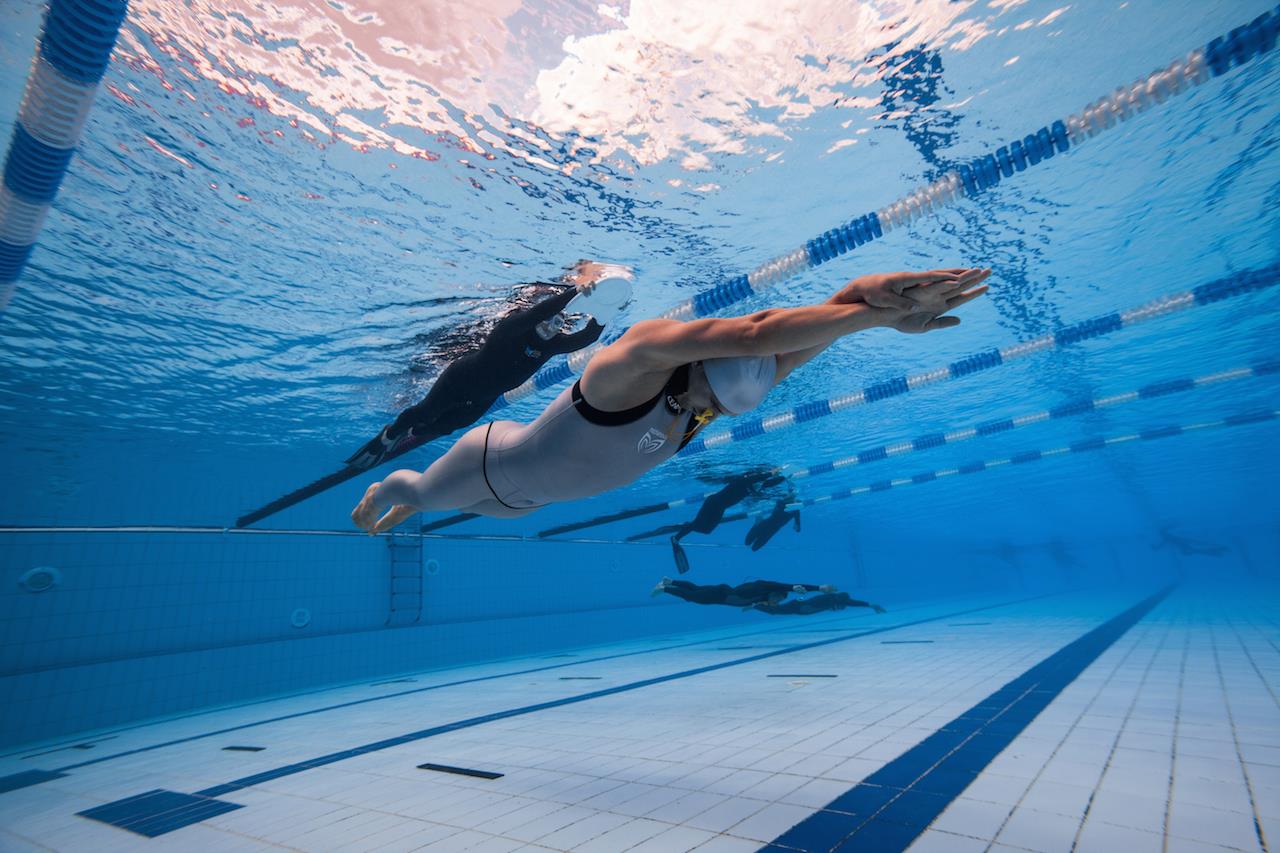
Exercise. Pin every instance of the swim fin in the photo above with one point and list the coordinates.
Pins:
(677, 551)
(399, 447)
(299, 495)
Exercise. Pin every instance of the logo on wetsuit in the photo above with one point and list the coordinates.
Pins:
(651, 441)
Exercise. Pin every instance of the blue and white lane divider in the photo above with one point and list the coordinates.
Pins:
(1072, 408)
(74, 49)
(1214, 291)
(1085, 445)
(1236, 48)
(1080, 406)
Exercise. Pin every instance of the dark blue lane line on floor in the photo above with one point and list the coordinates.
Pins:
(16, 781)
(158, 814)
(888, 810)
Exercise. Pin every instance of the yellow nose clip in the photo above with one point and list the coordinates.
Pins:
(704, 417)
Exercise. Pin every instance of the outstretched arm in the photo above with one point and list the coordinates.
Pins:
(635, 367)
(923, 303)
(550, 306)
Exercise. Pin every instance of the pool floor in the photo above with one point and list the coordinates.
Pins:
(1129, 720)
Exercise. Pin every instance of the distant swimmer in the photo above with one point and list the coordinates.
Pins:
(520, 344)
(817, 604)
(743, 595)
(647, 394)
(764, 529)
(1188, 547)
(711, 512)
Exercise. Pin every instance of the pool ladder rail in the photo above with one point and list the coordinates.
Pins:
(404, 551)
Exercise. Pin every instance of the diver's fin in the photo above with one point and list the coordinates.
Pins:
(649, 534)
(448, 521)
(682, 561)
(299, 495)
(603, 519)
(675, 528)
(404, 445)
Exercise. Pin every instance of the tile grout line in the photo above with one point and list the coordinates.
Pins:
(1173, 750)
(1124, 724)
(1235, 740)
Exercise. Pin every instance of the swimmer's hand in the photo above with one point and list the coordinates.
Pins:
(893, 289)
(932, 300)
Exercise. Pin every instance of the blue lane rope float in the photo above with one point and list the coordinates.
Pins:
(71, 57)
(1071, 408)
(1236, 48)
(1205, 294)
(1097, 443)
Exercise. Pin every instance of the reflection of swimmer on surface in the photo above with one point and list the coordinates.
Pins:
(817, 604)
(1188, 547)
(764, 529)
(648, 394)
(743, 595)
(711, 512)
(520, 344)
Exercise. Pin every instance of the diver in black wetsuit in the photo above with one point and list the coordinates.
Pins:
(746, 594)
(817, 604)
(465, 390)
(713, 508)
(764, 529)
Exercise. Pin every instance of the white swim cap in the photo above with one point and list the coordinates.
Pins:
(740, 383)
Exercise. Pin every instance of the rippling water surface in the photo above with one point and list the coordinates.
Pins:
(285, 218)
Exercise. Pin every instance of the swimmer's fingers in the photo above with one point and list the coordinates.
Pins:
(940, 289)
(945, 322)
(977, 275)
(903, 280)
(968, 296)
(964, 280)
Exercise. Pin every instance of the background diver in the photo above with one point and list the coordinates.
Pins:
(764, 529)
(711, 512)
(516, 348)
(648, 394)
(816, 604)
(744, 595)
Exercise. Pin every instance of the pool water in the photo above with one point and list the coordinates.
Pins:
(283, 221)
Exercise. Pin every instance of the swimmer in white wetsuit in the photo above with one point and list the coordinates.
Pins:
(648, 393)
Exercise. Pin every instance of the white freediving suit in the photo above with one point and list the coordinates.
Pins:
(573, 450)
